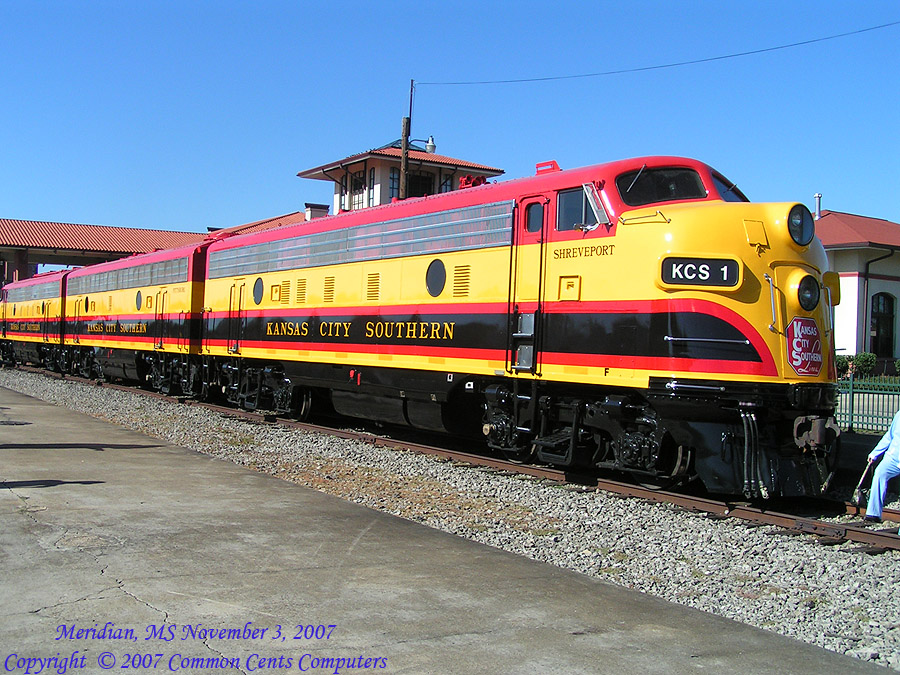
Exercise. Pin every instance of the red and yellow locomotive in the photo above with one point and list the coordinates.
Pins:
(639, 315)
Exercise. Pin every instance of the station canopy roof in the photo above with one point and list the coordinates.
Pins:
(33, 235)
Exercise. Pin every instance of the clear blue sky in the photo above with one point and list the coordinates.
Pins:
(187, 114)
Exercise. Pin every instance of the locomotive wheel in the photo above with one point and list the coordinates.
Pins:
(520, 455)
(302, 403)
(86, 367)
(193, 383)
(658, 484)
(678, 472)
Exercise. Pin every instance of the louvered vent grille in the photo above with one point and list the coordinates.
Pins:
(462, 275)
(329, 289)
(373, 286)
(301, 291)
(285, 292)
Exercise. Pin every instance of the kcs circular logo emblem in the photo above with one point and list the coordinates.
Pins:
(804, 346)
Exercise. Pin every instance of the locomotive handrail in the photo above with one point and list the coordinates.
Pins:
(671, 338)
(829, 309)
(645, 219)
(772, 297)
(674, 385)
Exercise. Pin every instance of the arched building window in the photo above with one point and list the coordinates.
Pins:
(881, 327)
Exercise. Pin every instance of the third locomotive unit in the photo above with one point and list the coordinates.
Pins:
(640, 316)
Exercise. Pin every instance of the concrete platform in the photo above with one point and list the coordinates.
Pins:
(99, 524)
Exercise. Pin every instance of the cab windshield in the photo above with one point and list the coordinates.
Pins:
(667, 184)
(728, 191)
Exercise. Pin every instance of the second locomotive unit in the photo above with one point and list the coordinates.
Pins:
(640, 316)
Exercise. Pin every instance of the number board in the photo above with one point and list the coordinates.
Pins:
(700, 271)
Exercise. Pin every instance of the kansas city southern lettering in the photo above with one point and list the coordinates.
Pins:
(377, 330)
(335, 329)
(584, 251)
(26, 327)
(287, 328)
(410, 330)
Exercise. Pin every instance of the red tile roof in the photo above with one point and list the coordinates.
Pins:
(432, 158)
(415, 156)
(845, 230)
(33, 234)
(261, 225)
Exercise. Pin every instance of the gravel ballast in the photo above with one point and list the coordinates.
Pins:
(831, 596)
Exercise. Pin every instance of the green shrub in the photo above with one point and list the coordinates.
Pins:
(842, 364)
(864, 364)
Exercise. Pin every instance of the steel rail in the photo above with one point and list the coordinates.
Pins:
(876, 540)
(830, 532)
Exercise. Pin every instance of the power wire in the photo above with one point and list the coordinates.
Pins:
(665, 65)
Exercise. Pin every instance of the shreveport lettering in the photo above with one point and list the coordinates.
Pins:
(584, 251)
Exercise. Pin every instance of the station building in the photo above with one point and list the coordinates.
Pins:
(865, 252)
(372, 178)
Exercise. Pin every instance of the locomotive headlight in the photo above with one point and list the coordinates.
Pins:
(801, 225)
(808, 293)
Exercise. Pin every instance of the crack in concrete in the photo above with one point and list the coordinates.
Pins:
(222, 656)
(24, 508)
(134, 597)
(120, 585)
(94, 595)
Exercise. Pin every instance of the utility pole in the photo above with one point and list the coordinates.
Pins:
(404, 157)
(404, 145)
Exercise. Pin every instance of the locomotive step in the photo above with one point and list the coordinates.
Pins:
(559, 439)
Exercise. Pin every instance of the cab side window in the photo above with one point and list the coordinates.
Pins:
(534, 217)
(573, 209)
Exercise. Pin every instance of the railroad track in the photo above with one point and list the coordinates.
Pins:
(873, 539)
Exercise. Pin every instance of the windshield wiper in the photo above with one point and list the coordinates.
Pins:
(636, 178)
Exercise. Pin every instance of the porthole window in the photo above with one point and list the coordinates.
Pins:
(435, 278)
(258, 291)
(137, 300)
(87, 304)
